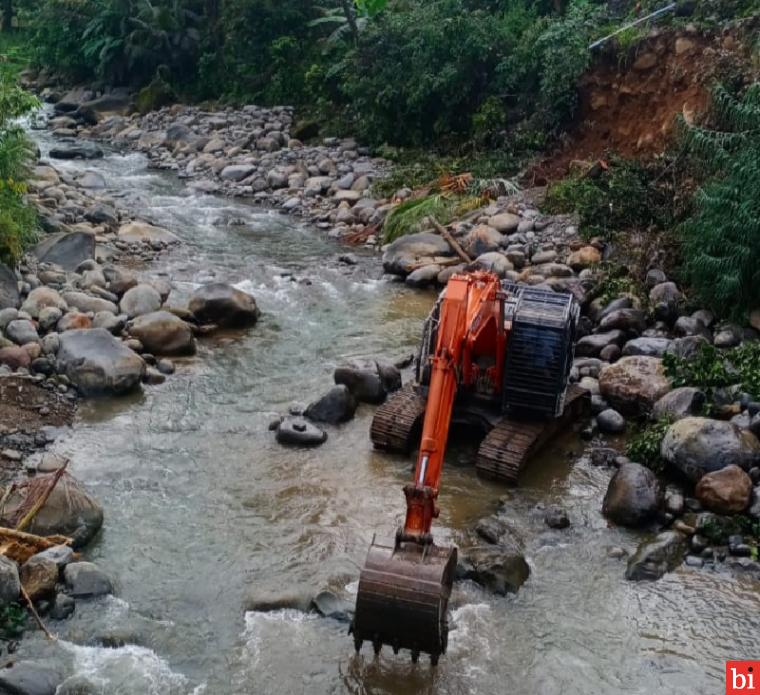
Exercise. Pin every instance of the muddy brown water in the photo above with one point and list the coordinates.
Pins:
(204, 509)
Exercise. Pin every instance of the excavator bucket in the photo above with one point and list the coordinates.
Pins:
(403, 598)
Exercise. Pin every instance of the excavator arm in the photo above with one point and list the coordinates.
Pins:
(404, 589)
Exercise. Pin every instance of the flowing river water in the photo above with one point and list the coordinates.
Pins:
(203, 508)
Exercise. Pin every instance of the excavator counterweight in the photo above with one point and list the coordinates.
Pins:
(464, 365)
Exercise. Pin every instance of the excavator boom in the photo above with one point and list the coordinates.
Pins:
(404, 588)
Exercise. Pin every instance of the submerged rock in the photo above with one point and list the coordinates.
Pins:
(296, 431)
(330, 605)
(82, 149)
(501, 571)
(30, 678)
(655, 557)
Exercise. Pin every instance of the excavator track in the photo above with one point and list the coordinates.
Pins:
(509, 446)
(396, 421)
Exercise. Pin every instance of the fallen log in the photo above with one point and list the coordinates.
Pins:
(452, 241)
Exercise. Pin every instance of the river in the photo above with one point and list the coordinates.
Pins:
(203, 508)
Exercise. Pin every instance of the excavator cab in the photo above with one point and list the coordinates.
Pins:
(507, 345)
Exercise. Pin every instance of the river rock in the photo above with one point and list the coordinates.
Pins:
(15, 357)
(163, 333)
(39, 575)
(73, 320)
(224, 305)
(494, 262)
(583, 258)
(119, 280)
(655, 557)
(142, 232)
(632, 320)
(330, 605)
(634, 384)
(610, 421)
(62, 608)
(297, 431)
(65, 249)
(365, 384)
(10, 584)
(679, 403)
(423, 277)
(665, 298)
(727, 491)
(649, 347)
(237, 172)
(98, 363)
(556, 517)
(337, 405)
(30, 678)
(61, 555)
(69, 510)
(688, 347)
(42, 298)
(84, 579)
(505, 222)
(695, 446)
(139, 300)
(21, 332)
(634, 496)
(481, 239)
(9, 294)
(592, 345)
(85, 302)
(82, 149)
(413, 250)
(499, 570)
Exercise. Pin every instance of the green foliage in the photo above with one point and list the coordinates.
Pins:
(407, 217)
(644, 446)
(614, 280)
(721, 240)
(12, 621)
(620, 198)
(711, 368)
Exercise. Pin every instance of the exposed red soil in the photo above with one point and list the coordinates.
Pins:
(629, 105)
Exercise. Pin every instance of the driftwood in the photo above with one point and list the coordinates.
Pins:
(452, 241)
(40, 501)
(36, 616)
(20, 546)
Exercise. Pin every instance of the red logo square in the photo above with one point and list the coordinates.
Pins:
(742, 677)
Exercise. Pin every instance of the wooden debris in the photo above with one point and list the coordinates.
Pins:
(36, 616)
(20, 546)
(452, 241)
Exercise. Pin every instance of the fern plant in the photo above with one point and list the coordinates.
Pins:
(722, 238)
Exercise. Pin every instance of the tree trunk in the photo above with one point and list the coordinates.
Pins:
(348, 10)
(7, 15)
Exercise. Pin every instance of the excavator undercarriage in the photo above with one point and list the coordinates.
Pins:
(495, 356)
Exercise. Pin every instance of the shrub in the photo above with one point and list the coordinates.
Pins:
(721, 240)
(644, 446)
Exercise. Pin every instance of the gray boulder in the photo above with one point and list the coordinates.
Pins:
(237, 172)
(494, 262)
(337, 405)
(224, 305)
(482, 239)
(43, 298)
(633, 320)
(414, 250)
(84, 579)
(679, 403)
(423, 277)
(365, 384)
(695, 446)
(634, 384)
(650, 347)
(30, 678)
(655, 557)
(66, 249)
(82, 149)
(295, 431)
(688, 347)
(10, 584)
(634, 496)
(9, 294)
(21, 332)
(139, 300)
(610, 421)
(97, 363)
(592, 345)
(163, 333)
(499, 570)
(85, 302)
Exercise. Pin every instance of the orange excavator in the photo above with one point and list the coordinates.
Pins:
(490, 350)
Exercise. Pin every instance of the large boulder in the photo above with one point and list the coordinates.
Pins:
(634, 384)
(650, 347)
(224, 305)
(497, 569)
(142, 232)
(413, 251)
(481, 239)
(337, 405)
(694, 446)
(30, 678)
(21, 332)
(97, 363)
(69, 510)
(370, 383)
(237, 172)
(655, 557)
(76, 150)
(727, 491)
(634, 496)
(592, 345)
(66, 249)
(10, 584)
(163, 333)
(9, 294)
(139, 300)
